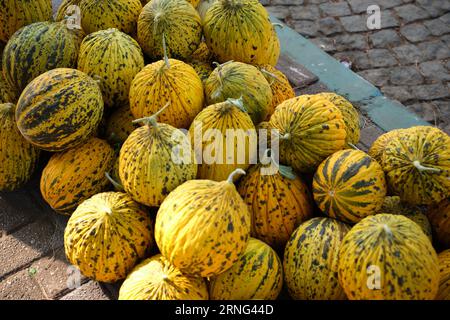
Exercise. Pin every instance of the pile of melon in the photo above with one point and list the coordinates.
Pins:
(117, 100)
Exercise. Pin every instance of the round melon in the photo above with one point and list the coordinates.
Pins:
(59, 109)
(18, 157)
(310, 128)
(394, 205)
(16, 14)
(444, 270)
(388, 257)
(113, 58)
(99, 15)
(75, 175)
(222, 136)
(238, 30)
(157, 279)
(377, 149)
(107, 235)
(279, 202)
(279, 83)
(311, 260)
(120, 125)
(350, 115)
(162, 82)
(439, 216)
(150, 166)
(203, 226)
(349, 185)
(257, 275)
(38, 48)
(417, 165)
(174, 21)
(235, 80)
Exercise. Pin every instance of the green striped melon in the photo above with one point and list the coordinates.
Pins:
(59, 109)
(311, 260)
(349, 185)
(38, 48)
(257, 275)
(114, 58)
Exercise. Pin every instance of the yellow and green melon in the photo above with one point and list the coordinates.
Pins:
(235, 80)
(167, 81)
(77, 174)
(157, 279)
(18, 157)
(224, 139)
(388, 257)
(60, 109)
(257, 275)
(171, 23)
(210, 220)
(16, 14)
(311, 260)
(107, 235)
(349, 185)
(113, 58)
(38, 48)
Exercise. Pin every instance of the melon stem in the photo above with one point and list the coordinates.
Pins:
(239, 103)
(152, 120)
(270, 74)
(116, 184)
(233, 174)
(166, 58)
(421, 168)
(286, 136)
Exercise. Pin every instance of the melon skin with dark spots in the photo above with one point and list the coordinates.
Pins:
(210, 220)
(38, 48)
(113, 58)
(60, 109)
(417, 165)
(239, 30)
(388, 257)
(18, 157)
(146, 166)
(257, 275)
(107, 235)
(310, 128)
(104, 14)
(73, 176)
(16, 14)
(311, 260)
(157, 279)
(175, 21)
(278, 204)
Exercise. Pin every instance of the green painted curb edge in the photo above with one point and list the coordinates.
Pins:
(384, 112)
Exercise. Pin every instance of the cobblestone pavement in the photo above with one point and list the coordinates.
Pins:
(408, 58)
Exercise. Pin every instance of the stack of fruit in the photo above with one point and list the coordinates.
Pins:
(121, 100)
